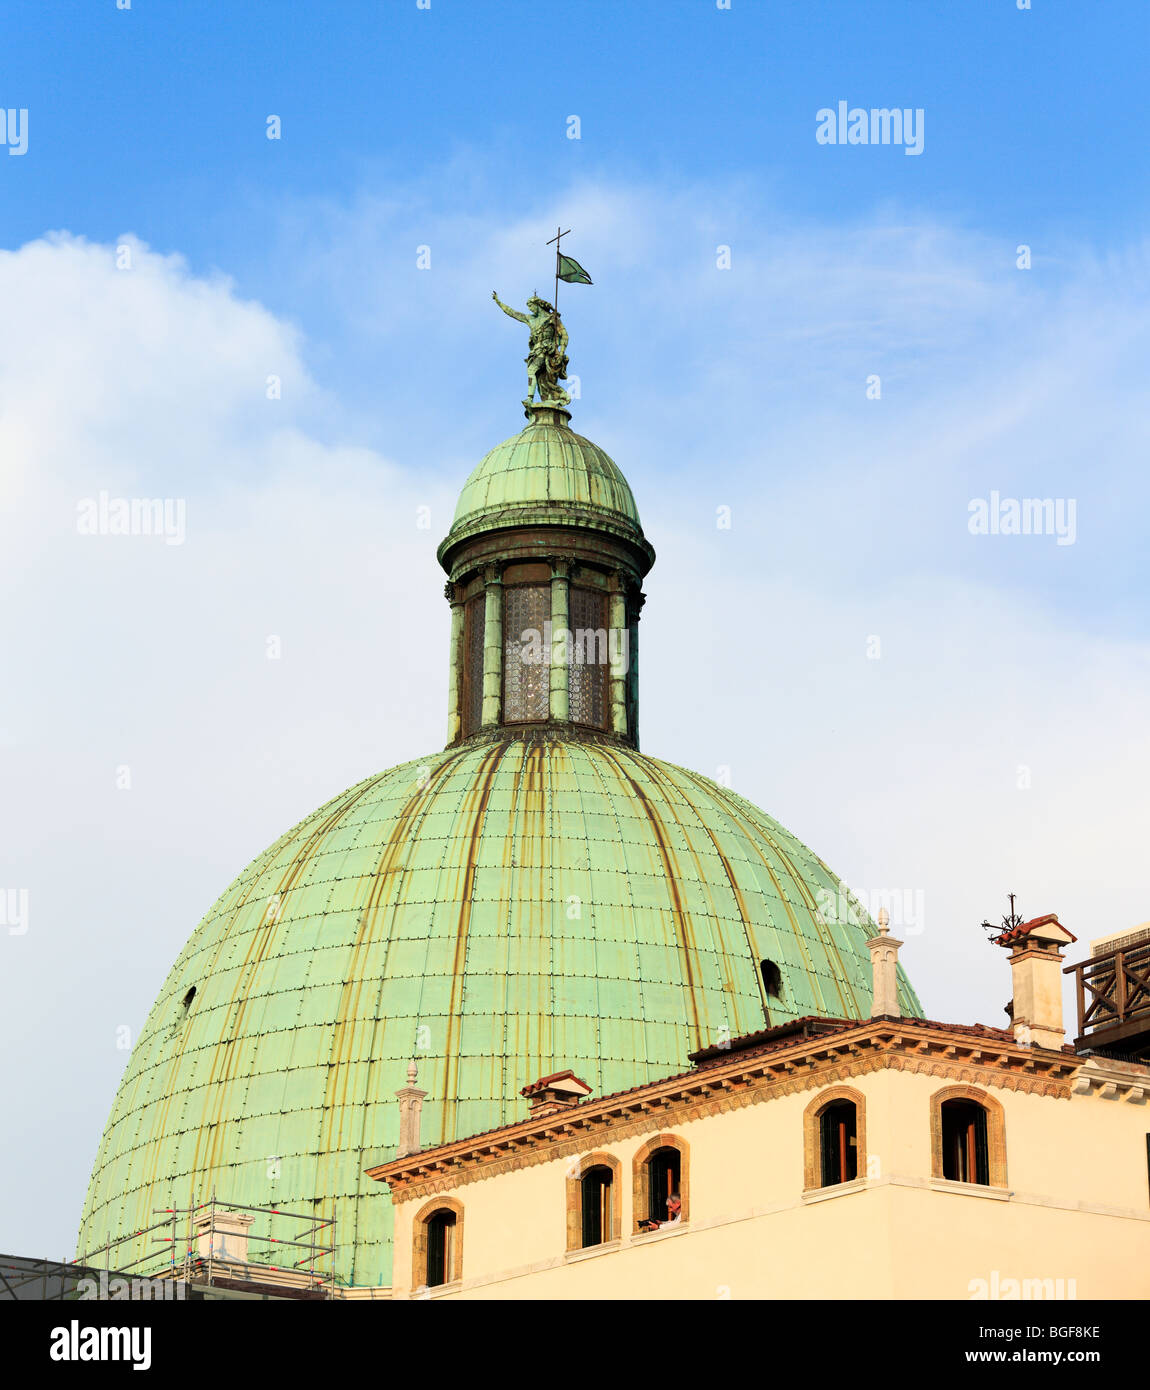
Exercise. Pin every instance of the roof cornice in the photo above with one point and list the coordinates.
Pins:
(958, 1052)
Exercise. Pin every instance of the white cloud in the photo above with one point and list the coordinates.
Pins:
(123, 651)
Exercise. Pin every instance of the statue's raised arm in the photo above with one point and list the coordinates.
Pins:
(511, 313)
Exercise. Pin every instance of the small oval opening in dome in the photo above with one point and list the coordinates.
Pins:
(191, 994)
(772, 979)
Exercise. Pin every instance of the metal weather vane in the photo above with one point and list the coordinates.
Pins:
(1009, 922)
(547, 346)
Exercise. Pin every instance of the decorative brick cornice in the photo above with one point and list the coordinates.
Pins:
(957, 1055)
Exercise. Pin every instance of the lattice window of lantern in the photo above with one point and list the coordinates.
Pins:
(589, 658)
(473, 627)
(526, 680)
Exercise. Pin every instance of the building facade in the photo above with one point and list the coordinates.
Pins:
(892, 1158)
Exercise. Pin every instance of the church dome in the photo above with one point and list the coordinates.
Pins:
(539, 896)
(546, 474)
(500, 911)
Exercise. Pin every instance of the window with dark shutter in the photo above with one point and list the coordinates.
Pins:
(838, 1143)
(662, 1181)
(596, 1184)
(440, 1248)
(965, 1153)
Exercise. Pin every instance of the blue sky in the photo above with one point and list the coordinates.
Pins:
(404, 127)
(998, 742)
(153, 118)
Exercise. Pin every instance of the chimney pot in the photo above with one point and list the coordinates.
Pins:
(1036, 967)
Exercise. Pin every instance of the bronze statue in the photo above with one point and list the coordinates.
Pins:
(546, 350)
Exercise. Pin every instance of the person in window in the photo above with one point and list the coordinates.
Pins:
(674, 1214)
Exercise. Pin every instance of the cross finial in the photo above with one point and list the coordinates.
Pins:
(557, 239)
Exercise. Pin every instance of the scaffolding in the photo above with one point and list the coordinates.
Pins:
(187, 1229)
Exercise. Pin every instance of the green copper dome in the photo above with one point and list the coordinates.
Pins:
(545, 475)
(500, 911)
(540, 896)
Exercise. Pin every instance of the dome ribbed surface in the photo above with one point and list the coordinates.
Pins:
(545, 473)
(500, 911)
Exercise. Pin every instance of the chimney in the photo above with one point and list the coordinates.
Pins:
(222, 1235)
(1036, 965)
(562, 1090)
(883, 950)
(410, 1109)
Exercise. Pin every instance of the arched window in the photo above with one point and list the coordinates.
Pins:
(772, 979)
(834, 1138)
(661, 1183)
(440, 1247)
(596, 1192)
(838, 1143)
(663, 1168)
(968, 1137)
(593, 1201)
(965, 1156)
(437, 1256)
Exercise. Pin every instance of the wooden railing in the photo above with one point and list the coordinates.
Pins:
(1113, 992)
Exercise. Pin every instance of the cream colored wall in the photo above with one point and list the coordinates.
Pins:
(880, 1241)
(954, 1239)
(1082, 1150)
(1076, 1167)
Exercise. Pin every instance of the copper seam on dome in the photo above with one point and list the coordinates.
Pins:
(506, 899)
(740, 903)
(660, 773)
(442, 869)
(340, 806)
(760, 832)
(150, 1146)
(260, 940)
(529, 808)
(643, 1021)
(482, 795)
(592, 938)
(834, 956)
(536, 808)
(839, 975)
(340, 1063)
(684, 936)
